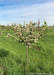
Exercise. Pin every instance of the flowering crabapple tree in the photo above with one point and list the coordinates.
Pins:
(26, 34)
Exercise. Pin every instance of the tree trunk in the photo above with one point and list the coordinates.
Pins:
(27, 60)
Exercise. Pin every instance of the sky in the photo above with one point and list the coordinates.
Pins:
(18, 11)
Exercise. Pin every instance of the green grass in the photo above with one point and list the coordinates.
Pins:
(40, 60)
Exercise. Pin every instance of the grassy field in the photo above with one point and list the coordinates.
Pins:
(13, 54)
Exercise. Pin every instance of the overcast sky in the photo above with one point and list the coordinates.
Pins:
(16, 11)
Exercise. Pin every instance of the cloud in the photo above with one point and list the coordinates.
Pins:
(44, 11)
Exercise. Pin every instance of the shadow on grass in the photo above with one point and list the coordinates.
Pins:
(3, 53)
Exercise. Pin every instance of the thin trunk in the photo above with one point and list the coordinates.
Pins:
(27, 60)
